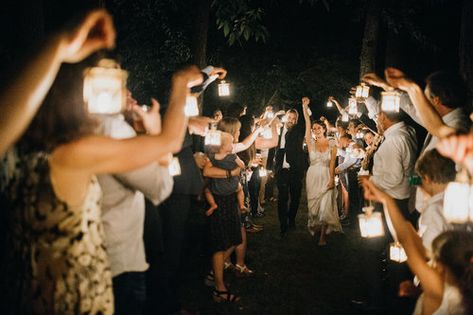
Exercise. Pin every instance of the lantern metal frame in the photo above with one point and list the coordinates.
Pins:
(390, 101)
(223, 88)
(105, 82)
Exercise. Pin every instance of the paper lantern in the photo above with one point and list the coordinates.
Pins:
(192, 108)
(345, 117)
(397, 253)
(269, 115)
(174, 167)
(371, 223)
(390, 101)
(362, 91)
(263, 172)
(267, 133)
(213, 137)
(457, 206)
(223, 88)
(352, 106)
(105, 88)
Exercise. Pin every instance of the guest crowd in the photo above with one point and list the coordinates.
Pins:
(94, 221)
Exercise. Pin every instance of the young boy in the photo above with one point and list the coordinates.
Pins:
(225, 159)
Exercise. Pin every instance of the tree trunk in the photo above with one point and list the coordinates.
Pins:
(465, 49)
(370, 38)
(199, 38)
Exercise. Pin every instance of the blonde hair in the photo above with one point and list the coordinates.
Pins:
(230, 125)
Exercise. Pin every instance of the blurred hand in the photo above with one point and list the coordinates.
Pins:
(151, 119)
(165, 160)
(397, 79)
(372, 192)
(281, 112)
(459, 148)
(95, 32)
(200, 159)
(191, 75)
(305, 101)
(331, 183)
(408, 289)
(373, 79)
(337, 170)
(199, 125)
(221, 72)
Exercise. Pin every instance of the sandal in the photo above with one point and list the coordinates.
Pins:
(243, 271)
(209, 279)
(224, 296)
(228, 266)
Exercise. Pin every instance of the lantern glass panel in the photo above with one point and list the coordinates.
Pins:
(329, 104)
(105, 88)
(457, 201)
(365, 91)
(223, 88)
(192, 108)
(352, 106)
(263, 172)
(174, 167)
(371, 225)
(213, 138)
(391, 101)
(397, 253)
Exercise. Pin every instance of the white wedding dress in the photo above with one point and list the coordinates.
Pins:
(321, 201)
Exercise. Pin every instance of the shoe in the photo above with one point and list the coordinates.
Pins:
(243, 271)
(254, 229)
(343, 217)
(210, 279)
(228, 266)
(224, 296)
(365, 306)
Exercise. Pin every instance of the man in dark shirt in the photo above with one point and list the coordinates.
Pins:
(290, 165)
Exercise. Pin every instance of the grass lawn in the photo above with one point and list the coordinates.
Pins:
(292, 276)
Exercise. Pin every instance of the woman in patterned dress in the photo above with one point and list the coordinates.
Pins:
(56, 262)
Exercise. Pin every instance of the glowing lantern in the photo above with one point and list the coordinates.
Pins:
(397, 253)
(105, 88)
(362, 91)
(191, 109)
(390, 101)
(267, 133)
(223, 88)
(174, 167)
(345, 117)
(284, 119)
(269, 115)
(458, 202)
(213, 137)
(329, 104)
(263, 172)
(371, 223)
(352, 106)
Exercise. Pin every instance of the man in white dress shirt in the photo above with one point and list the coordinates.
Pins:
(123, 214)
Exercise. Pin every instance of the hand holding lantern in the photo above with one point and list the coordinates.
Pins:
(150, 117)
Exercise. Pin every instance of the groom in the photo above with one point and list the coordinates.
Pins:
(290, 165)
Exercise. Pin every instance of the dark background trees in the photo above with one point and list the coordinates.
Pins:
(275, 50)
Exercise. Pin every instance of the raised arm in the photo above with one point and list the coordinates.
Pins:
(21, 98)
(247, 142)
(430, 119)
(341, 110)
(308, 133)
(431, 281)
(215, 172)
(262, 143)
(97, 155)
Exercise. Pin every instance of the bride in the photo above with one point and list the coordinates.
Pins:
(320, 179)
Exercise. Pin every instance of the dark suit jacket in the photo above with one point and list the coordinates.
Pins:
(295, 155)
